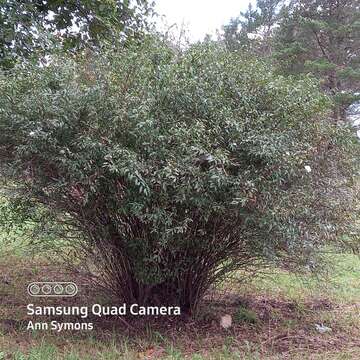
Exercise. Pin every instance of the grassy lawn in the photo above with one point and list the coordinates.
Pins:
(273, 318)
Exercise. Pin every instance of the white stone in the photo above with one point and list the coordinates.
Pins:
(226, 321)
(322, 328)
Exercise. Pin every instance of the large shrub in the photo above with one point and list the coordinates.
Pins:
(171, 170)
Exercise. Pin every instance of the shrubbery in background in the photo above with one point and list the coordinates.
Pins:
(172, 170)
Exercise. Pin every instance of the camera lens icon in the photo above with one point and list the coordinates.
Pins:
(58, 289)
(46, 289)
(70, 289)
(34, 289)
(52, 289)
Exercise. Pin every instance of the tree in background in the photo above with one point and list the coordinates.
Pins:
(23, 24)
(253, 29)
(322, 37)
(235, 33)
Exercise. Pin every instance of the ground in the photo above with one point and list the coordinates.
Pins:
(273, 318)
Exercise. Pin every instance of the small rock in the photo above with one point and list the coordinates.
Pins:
(322, 328)
(226, 321)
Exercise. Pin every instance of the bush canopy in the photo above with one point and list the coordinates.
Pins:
(172, 170)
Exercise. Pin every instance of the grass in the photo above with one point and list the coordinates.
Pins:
(342, 285)
(273, 318)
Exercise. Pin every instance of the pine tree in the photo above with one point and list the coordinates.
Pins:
(253, 29)
(323, 37)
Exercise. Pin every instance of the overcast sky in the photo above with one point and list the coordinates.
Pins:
(200, 17)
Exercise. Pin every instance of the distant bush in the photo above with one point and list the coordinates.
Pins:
(171, 170)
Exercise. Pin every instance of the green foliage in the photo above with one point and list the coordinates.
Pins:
(322, 38)
(26, 26)
(243, 314)
(171, 171)
(254, 21)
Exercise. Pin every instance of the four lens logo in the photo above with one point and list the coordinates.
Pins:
(47, 289)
